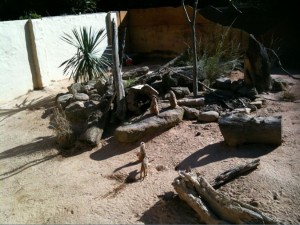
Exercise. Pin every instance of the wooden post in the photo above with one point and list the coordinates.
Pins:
(118, 83)
(194, 40)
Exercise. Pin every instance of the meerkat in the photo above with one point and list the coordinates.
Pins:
(154, 106)
(142, 153)
(144, 167)
(172, 99)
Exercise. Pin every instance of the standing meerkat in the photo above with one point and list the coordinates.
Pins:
(144, 167)
(142, 153)
(172, 99)
(154, 106)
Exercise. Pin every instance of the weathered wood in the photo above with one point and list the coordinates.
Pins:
(238, 129)
(191, 102)
(194, 189)
(233, 173)
(118, 83)
(192, 22)
(134, 73)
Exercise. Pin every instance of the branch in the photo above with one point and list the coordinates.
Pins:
(186, 13)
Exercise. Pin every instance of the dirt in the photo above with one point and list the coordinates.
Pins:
(98, 186)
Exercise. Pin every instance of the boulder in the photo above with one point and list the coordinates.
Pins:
(81, 97)
(64, 100)
(181, 92)
(79, 111)
(209, 116)
(149, 125)
(76, 88)
(190, 113)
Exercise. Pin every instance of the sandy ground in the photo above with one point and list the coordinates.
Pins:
(40, 186)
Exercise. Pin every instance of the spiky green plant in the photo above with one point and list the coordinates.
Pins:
(87, 63)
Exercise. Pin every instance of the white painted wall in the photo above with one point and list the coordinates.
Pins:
(15, 73)
(51, 50)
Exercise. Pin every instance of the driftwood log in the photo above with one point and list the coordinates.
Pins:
(215, 207)
(135, 73)
(233, 173)
(238, 129)
(191, 102)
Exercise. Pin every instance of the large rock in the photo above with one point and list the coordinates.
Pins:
(64, 100)
(79, 111)
(149, 125)
(209, 116)
(238, 129)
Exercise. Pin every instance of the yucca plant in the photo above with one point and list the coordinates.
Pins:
(87, 63)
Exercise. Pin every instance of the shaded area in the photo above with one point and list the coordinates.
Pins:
(220, 151)
(26, 166)
(40, 144)
(169, 210)
(114, 147)
(46, 103)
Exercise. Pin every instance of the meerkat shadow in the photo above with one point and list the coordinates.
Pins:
(127, 165)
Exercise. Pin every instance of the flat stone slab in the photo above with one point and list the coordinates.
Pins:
(149, 124)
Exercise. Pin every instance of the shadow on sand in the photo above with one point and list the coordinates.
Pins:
(47, 103)
(39, 145)
(169, 209)
(220, 151)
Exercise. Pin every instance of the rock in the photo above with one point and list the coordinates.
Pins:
(95, 126)
(149, 125)
(95, 97)
(190, 113)
(222, 83)
(138, 72)
(76, 88)
(238, 129)
(81, 97)
(158, 86)
(92, 136)
(64, 100)
(101, 86)
(209, 116)
(181, 92)
(79, 111)
(279, 85)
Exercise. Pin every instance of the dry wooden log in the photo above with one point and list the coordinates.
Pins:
(222, 207)
(191, 102)
(233, 173)
(238, 129)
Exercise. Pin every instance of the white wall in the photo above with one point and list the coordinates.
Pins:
(51, 50)
(15, 73)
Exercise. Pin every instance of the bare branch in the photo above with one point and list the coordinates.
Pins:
(185, 11)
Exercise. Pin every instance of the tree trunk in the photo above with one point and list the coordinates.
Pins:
(238, 129)
(214, 207)
(118, 83)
